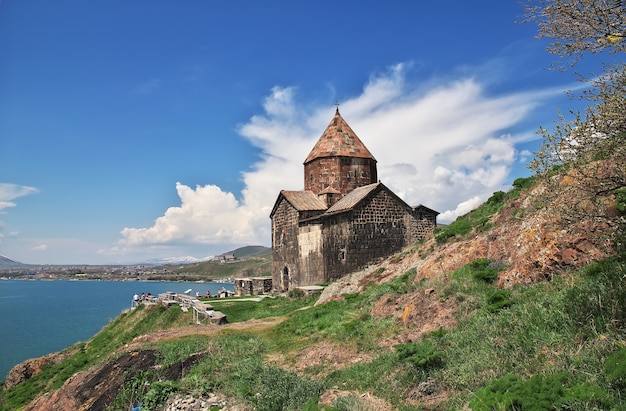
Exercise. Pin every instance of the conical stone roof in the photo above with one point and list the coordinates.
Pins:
(338, 140)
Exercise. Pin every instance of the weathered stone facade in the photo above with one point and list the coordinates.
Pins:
(344, 220)
(253, 286)
(324, 173)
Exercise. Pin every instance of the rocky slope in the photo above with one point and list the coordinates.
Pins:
(523, 237)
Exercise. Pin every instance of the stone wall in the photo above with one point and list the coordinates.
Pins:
(284, 246)
(374, 230)
(311, 261)
(344, 174)
(422, 224)
(252, 286)
(309, 250)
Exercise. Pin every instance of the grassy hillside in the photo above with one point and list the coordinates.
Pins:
(248, 263)
(450, 340)
(250, 251)
(559, 344)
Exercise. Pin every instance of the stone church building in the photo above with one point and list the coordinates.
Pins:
(344, 219)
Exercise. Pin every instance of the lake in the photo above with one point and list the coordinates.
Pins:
(41, 317)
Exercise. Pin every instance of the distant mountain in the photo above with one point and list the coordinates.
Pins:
(249, 251)
(239, 253)
(6, 262)
(178, 260)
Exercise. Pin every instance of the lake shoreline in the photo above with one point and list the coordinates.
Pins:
(44, 316)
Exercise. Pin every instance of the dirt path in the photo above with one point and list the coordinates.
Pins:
(253, 325)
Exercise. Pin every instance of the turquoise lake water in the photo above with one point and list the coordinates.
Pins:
(42, 317)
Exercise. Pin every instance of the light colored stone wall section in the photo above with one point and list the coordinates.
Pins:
(310, 239)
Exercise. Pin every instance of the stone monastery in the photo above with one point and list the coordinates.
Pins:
(344, 219)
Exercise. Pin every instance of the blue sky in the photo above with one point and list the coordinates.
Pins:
(145, 129)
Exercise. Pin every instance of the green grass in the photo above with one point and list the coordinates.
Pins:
(214, 269)
(237, 311)
(479, 219)
(562, 342)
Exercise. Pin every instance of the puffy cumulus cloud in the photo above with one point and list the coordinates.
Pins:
(447, 146)
(207, 215)
(462, 208)
(10, 192)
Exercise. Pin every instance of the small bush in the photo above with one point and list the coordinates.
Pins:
(499, 299)
(496, 198)
(485, 269)
(422, 355)
(615, 368)
(459, 227)
(145, 388)
(540, 392)
(296, 293)
(620, 200)
(523, 183)
(439, 334)
(158, 393)
(284, 390)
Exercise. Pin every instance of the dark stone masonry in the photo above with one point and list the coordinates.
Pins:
(344, 219)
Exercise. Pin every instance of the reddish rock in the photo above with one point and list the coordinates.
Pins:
(29, 368)
(569, 256)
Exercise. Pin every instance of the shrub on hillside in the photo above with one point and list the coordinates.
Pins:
(498, 300)
(540, 392)
(615, 369)
(496, 198)
(422, 355)
(523, 182)
(599, 297)
(284, 390)
(296, 293)
(485, 269)
(457, 228)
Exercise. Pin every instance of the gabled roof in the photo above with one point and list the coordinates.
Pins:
(329, 190)
(300, 200)
(338, 140)
(353, 198)
(309, 201)
(426, 209)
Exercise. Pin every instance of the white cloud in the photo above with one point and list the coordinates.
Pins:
(448, 147)
(40, 247)
(9, 192)
(524, 156)
(207, 215)
(463, 208)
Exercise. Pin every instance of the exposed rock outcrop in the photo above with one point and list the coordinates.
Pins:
(96, 388)
(29, 368)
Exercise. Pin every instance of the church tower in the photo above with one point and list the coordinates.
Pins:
(338, 163)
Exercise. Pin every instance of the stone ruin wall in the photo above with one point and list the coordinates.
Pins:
(253, 286)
